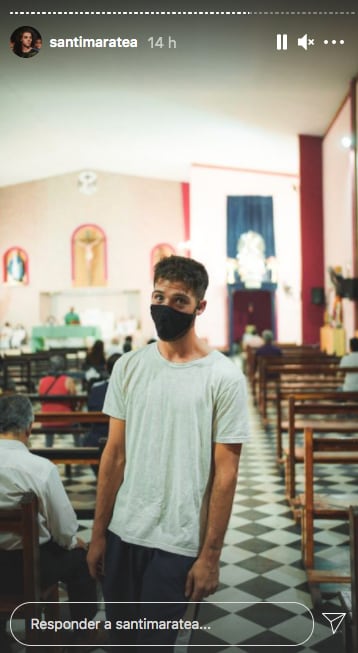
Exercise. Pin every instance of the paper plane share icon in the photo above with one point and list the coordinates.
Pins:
(335, 619)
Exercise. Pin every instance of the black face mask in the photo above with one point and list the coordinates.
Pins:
(169, 323)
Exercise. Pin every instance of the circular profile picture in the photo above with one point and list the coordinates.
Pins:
(26, 42)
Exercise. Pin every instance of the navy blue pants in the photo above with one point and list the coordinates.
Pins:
(137, 575)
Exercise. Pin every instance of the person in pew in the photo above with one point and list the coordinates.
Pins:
(62, 552)
(351, 360)
(95, 402)
(56, 383)
(167, 477)
(267, 349)
(251, 338)
(95, 364)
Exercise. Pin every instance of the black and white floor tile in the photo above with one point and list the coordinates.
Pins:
(263, 602)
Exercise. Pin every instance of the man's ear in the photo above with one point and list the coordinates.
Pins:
(201, 307)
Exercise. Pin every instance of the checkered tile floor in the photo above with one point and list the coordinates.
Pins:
(262, 603)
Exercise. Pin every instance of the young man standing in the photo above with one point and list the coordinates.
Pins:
(178, 417)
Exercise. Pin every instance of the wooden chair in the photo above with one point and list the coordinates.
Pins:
(330, 450)
(349, 598)
(23, 520)
(353, 521)
(324, 416)
(300, 394)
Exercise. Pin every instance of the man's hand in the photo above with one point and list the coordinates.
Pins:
(81, 544)
(95, 557)
(202, 580)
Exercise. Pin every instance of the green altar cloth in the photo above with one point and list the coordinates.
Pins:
(40, 334)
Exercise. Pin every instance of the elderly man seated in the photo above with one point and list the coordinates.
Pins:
(62, 552)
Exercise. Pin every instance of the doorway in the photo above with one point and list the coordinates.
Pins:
(252, 307)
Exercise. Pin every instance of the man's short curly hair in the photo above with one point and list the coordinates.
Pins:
(179, 268)
(16, 414)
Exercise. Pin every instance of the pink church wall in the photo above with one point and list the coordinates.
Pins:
(41, 216)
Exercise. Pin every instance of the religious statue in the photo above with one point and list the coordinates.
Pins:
(251, 259)
(15, 266)
(89, 256)
(336, 277)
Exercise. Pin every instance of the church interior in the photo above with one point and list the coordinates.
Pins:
(219, 146)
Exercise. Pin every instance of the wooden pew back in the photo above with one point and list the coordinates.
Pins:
(323, 373)
(76, 422)
(328, 450)
(301, 394)
(314, 406)
(23, 520)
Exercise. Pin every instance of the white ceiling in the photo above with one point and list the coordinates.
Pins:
(224, 96)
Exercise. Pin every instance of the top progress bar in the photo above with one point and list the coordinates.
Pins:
(179, 13)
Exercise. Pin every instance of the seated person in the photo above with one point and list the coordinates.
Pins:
(128, 344)
(350, 360)
(56, 383)
(95, 402)
(267, 349)
(251, 338)
(62, 552)
(95, 364)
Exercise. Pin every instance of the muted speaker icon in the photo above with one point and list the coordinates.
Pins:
(305, 41)
(302, 42)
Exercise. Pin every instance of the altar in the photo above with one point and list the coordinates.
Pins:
(44, 337)
(333, 340)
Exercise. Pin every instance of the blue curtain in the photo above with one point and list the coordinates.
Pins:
(250, 212)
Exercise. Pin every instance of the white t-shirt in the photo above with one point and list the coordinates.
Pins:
(173, 412)
(351, 379)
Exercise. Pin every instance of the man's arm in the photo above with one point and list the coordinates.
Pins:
(60, 518)
(203, 577)
(110, 477)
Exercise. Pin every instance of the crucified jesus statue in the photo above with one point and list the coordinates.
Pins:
(89, 242)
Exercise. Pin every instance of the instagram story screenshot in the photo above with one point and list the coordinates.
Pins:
(179, 326)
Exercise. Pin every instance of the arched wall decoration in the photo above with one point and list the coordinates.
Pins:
(16, 266)
(162, 250)
(89, 256)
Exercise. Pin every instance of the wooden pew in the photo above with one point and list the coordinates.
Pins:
(307, 410)
(25, 370)
(290, 352)
(77, 401)
(76, 422)
(70, 456)
(328, 451)
(85, 417)
(299, 394)
(322, 373)
(16, 372)
(291, 356)
(349, 598)
(33, 599)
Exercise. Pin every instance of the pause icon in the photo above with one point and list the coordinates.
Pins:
(281, 41)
